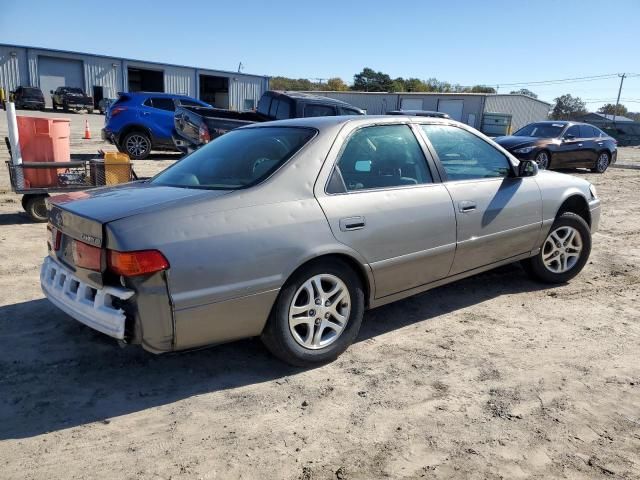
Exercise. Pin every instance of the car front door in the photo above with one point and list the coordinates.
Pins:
(498, 214)
(157, 113)
(384, 199)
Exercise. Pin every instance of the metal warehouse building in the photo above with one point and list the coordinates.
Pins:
(103, 76)
(474, 109)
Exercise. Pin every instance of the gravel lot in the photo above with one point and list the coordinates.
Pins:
(492, 377)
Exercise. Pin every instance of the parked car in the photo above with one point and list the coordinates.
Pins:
(419, 113)
(28, 97)
(104, 104)
(560, 144)
(71, 98)
(139, 122)
(196, 126)
(290, 230)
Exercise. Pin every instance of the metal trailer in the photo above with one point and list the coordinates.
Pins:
(82, 172)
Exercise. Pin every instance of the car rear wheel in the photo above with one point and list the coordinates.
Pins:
(543, 160)
(54, 107)
(35, 207)
(137, 145)
(317, 314)
(602, 163)
(564, 252)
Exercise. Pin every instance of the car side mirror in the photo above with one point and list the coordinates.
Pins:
(527, 168)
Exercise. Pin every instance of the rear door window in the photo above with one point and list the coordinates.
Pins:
(587, 131)
(314, 110)
(163, 103)
(191, 103)
(382, 156)
(573, 132)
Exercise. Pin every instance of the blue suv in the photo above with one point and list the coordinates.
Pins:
(139, 122)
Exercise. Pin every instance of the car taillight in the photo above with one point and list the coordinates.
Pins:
(54, 237)
(86, 256)
(116, 110)
(132, 264)
(203, 132)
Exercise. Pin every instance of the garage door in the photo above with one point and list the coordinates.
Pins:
(452, 107)
(57, 72)
(411, 104)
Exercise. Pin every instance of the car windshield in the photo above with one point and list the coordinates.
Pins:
(32, 91)
(238, 159)
(540, 130)
(72, 90)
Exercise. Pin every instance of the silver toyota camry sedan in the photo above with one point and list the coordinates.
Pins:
(290, 230)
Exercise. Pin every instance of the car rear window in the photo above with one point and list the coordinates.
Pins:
(238, 159)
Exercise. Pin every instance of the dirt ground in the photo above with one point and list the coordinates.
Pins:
(492, 377)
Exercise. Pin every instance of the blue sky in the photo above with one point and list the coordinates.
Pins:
(465, 42)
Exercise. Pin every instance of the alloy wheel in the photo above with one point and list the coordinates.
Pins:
(137, 145)
(319, 311)
(561, 250)
(603, 162)
(542, 159)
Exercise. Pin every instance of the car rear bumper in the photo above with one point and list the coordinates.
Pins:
(109, 136)
(86, 304)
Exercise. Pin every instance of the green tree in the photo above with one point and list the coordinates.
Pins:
(480, 89)
(524, 91)
(610, 109)
(369, 80)
(336, 85)
(568, 107)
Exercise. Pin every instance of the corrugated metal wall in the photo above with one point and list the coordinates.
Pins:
(13, 68)
(111, 74)
(471, 109)
(523, 109)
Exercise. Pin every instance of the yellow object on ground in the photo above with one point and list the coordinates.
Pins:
(117, 168)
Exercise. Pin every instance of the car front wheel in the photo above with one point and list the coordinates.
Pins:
(317, 314)
(137, 145)
(543, 161)
(564, 252)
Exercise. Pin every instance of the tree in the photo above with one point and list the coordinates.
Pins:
(480, 89)
(610, 109)
(568, 107)
(524, 91)
(336, 85)
(369, 80)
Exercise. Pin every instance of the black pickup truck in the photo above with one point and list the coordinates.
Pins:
(195, 126)
(71, 98)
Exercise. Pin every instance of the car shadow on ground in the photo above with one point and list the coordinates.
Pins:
(58, 374)
(14, 219)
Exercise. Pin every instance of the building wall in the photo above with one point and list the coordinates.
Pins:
(111, 74)
(471, 107)
(523, 109)
(13, 69)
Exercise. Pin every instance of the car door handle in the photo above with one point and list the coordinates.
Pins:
(467, 206)
(600, 143)
(352, 223)
(145, 113)
(579, 144)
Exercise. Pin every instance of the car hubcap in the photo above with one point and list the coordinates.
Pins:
(319, 311)
(542, 160)
(603, 162)
(40, 209)
(137, 145)
(561, 250)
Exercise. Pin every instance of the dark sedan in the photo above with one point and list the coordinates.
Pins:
(561, 144)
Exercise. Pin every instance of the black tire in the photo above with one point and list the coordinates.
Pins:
(132, 139)
(277, 335)
(36, 208)
(65, 107)
(536, 267)
(54, 106)
(89, 111)
(601, 166)
(543, 159)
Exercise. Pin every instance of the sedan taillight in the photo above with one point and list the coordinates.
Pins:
(86, 256)
(132, 264)
(203, 133)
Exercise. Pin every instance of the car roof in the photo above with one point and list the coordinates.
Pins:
(416, 112)
(158, 94)
(563, 122)
(310, 97)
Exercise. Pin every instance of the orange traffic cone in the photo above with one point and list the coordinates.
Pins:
(87, 132)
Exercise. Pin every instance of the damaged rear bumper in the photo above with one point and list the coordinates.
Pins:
(91, 306)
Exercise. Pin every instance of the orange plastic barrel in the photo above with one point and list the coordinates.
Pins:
(43, 140)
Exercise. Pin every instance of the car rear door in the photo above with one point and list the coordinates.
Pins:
(384, 199)
(157, 113)
(588, 137)
(498, 215)
(570, 153)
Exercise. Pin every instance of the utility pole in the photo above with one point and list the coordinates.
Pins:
(240, 67)
(618, 100)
